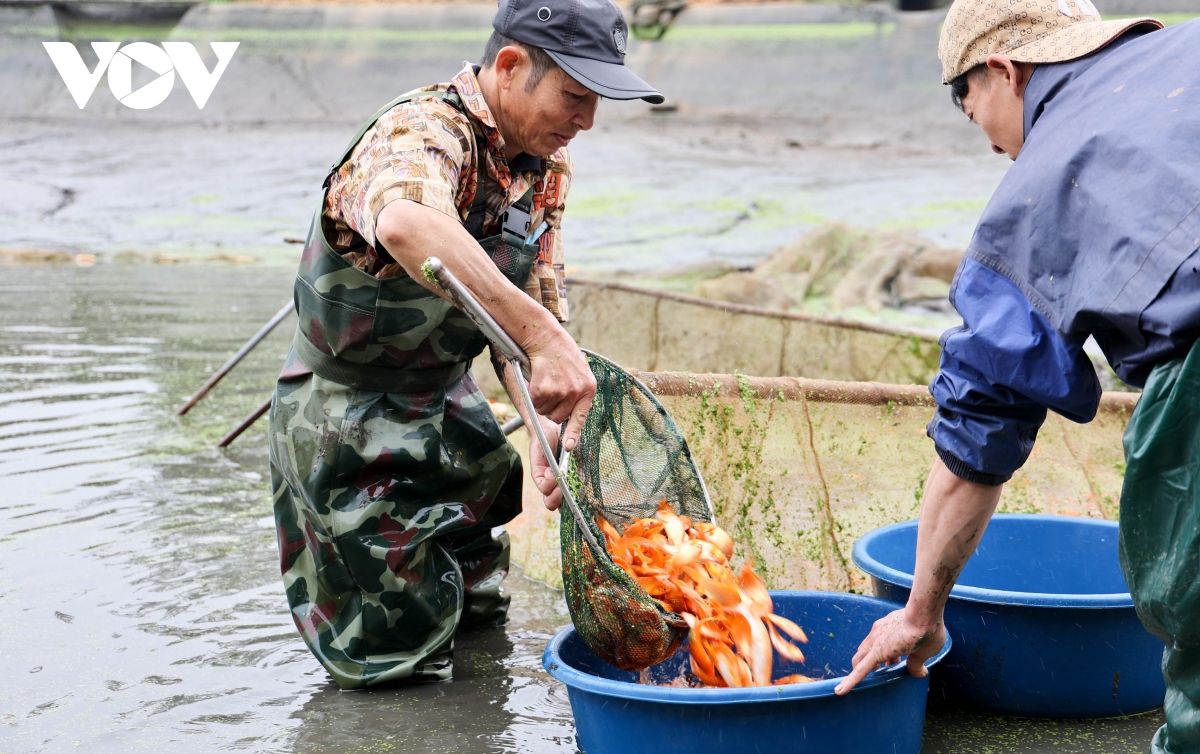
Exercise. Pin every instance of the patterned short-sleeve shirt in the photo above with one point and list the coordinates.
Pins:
(424, 150)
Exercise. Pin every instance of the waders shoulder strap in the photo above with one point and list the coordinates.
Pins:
(516, 219)
(478, 211)
(515, 222)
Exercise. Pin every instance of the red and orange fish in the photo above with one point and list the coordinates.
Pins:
(685, 567)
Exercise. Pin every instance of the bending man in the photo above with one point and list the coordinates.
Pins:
(391, 477)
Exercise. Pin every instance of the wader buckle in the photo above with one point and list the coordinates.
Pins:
(516, 221)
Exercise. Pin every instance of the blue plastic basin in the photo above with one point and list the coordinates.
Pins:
(886, 713)
(1041, 619)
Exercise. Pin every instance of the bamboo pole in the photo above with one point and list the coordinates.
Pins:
(820, 391)
(245, 425)
(789, 388)
(237, 357)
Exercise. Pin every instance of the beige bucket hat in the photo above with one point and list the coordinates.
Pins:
(1027, 31)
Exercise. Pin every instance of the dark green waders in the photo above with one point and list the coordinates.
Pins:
(1160, 537)
(390, 476)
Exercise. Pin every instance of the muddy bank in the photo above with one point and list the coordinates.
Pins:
(790, 117)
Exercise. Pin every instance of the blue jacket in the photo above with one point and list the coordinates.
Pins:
(1093, 231)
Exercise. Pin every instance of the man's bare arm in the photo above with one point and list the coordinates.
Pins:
(954, 514)
(562, 386)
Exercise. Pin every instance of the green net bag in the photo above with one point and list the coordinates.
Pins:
(630, 457)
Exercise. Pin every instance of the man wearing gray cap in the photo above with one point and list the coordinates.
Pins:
(391, 478)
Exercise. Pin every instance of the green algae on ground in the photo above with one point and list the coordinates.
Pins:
(949, 731)
(782, 32)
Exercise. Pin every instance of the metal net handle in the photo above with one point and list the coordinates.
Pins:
(465, 301)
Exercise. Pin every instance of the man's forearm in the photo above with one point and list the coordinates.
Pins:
(412, 233)
(561, 383)
(954, 514)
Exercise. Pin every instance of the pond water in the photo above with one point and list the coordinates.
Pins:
(138, 566)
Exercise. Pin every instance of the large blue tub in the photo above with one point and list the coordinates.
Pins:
(1042, 622)
(885, 714)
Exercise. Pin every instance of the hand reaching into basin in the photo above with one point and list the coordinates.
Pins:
(892, 637)
(954, 514)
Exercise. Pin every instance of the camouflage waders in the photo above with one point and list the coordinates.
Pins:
(389, 473)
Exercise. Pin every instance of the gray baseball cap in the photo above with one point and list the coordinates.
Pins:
(585, 37)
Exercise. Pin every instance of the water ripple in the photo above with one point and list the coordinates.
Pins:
(142, 562)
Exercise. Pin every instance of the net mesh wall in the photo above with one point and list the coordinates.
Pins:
(796, 479)
(630, 457)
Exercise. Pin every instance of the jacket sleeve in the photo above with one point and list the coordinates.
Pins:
(1000, 371)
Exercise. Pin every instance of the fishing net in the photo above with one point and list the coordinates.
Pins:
(630, 457)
